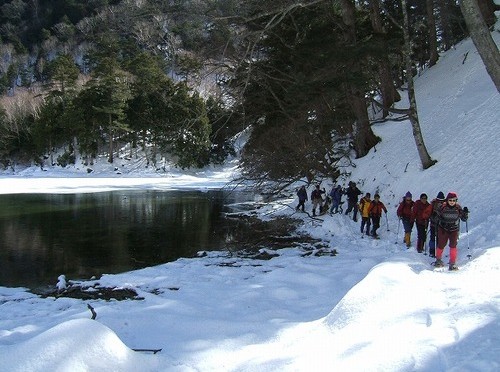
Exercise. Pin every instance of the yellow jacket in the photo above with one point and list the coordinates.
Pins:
(364, 207)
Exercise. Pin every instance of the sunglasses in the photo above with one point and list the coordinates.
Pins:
(452, 200)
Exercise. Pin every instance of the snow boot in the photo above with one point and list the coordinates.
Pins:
(408, 239)
(420, 246)
(453, 267)
(438, 263)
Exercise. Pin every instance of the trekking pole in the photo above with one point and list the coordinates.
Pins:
(397, 233)
(468, 245)
(425, 243)
(387, 221)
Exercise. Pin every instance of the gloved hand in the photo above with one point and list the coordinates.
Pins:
(466, 212)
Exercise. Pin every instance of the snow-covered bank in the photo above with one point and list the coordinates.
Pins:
(57, 181)
(375, 306)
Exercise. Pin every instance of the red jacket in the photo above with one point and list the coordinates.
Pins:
(421, 212)
(404, 209)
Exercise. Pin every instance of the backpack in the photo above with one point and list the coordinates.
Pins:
(436, 205)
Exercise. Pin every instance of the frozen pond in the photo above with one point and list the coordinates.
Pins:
(88, 234)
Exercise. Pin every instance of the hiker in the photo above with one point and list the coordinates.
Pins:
(364, 208)
(302, 195)
(352, 193)
(375, 212)
(448, 216)
(421, 212)
(316, 198)
(336, 196)
(404, 214)
(323, 208)
(436, 203)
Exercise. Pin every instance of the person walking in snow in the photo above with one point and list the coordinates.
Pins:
(375, 213)
(302, 195)
(316, 198)
(421, 212)
(435, 204)
(404, 214)
(336, 196)
(364, 209)
(352, 193)
(448, 216)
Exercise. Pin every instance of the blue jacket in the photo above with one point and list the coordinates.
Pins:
(336, 194)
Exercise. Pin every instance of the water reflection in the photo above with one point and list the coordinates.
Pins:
(82, 235)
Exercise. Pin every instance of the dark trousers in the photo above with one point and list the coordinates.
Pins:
(407, 224)
(421, 236)
(432, 241)
(352, 205)
(375, 224)
(365, 221)
(302, 205)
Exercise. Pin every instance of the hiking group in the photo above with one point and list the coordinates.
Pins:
(441, 217)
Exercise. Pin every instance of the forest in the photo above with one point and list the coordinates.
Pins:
(180, 79)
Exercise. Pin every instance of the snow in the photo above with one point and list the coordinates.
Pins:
(376, 306)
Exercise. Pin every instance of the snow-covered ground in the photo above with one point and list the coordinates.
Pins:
(376, 306)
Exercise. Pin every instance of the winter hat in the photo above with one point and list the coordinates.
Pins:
(451, 195)
(408, 194)
(440, 196)
(377, 196)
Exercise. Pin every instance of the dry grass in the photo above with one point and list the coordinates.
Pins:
(24, 103)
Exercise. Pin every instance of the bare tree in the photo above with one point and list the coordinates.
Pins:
(482, 39)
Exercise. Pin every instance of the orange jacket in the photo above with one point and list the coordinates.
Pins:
(376, 208)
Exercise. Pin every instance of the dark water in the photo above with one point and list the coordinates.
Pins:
(85, 235)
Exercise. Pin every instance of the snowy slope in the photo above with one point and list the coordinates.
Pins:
(459, 116)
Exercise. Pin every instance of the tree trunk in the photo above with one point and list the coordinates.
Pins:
(425, 158)
(111, 145)
(431, 24)
(447, 34)
(487, 8)
(389, 93)
(482, 39)
(365, 139)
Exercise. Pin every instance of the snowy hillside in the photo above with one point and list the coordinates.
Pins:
(375, 306)
(460, 117)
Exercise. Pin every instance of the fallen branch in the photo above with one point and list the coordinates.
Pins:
(94, 314)
(154, 351)
(465, 57)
